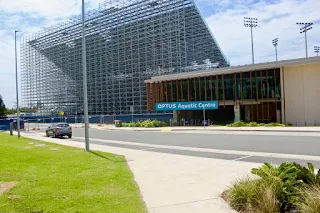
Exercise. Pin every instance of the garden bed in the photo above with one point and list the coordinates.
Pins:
(255, 124)
(287, 188)
(146, 124)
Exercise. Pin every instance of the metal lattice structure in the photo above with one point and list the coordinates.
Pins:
(128, 41)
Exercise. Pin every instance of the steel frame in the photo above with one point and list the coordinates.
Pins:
(128, 41)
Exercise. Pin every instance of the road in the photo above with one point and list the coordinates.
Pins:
(246, 145)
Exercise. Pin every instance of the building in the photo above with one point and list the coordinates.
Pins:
(127, 42)
(284, 91)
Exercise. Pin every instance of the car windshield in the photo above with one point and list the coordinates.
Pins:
(63, 125)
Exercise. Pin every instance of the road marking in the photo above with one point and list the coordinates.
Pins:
(241, 158)
(148, 149)
(220, 151)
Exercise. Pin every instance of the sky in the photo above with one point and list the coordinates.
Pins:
(276, 19)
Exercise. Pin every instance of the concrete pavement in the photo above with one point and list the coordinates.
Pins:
(175, 183)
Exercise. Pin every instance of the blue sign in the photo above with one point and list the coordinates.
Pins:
(168, 106)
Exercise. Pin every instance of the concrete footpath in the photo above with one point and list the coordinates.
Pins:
(174, 183)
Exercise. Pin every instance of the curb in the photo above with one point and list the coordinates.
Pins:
(208, 130)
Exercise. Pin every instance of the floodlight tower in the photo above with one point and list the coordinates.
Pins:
(251, 22)
(306, 27)
(275, 44)
(317, 49)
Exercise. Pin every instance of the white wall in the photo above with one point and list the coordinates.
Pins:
(302, 94)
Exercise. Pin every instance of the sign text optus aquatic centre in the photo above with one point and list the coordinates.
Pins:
(168, 106)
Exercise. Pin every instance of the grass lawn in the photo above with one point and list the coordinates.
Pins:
(66, 180)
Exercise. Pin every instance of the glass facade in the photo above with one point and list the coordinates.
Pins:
(257, 92)
(257, 85)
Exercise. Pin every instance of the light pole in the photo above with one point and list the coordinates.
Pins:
(251, 22)
(275, 44)
(306, 27)
(17, 88)
(204, 117)
(317, 49)
(85, 93)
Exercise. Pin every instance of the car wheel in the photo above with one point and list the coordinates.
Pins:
(47, 135)
(70, 136)
(54, 135)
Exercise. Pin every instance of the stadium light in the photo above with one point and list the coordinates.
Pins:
(85, 92)
(317, 49)
(275, 44)
(252, 23)
(306, 27)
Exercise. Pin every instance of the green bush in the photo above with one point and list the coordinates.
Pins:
(146, 124)
(284, 182)
(280, 189)
(310, 202)
(237, 124)
(118, 123)
(275, 124)
(307, 174)
(242, 193)
(245, 195)
(125, 124)
(255, 124)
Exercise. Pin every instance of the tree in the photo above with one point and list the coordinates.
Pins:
(11, 111)
(2, 109)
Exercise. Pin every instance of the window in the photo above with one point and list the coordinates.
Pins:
(63, 125)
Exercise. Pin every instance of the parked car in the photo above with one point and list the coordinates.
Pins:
(59, 130)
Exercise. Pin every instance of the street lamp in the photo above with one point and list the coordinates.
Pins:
(17, 89)
(251, 22)
(306, 27)
(275, 44)
(317, 49)
(85, 92)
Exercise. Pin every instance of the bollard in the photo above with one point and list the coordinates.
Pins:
(11, 128)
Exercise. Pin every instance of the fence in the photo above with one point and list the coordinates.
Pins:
(5, 124)
(95, 119)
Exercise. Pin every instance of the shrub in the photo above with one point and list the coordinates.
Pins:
(242, 193)
(269, 203)
(279, 189)
(125, 124)
(146, 124)
(237, 124)
(284, 182)
(138, 124)
(253, 124)
(275, 124)
(246, 195)
(310, 202)
(308, 175)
